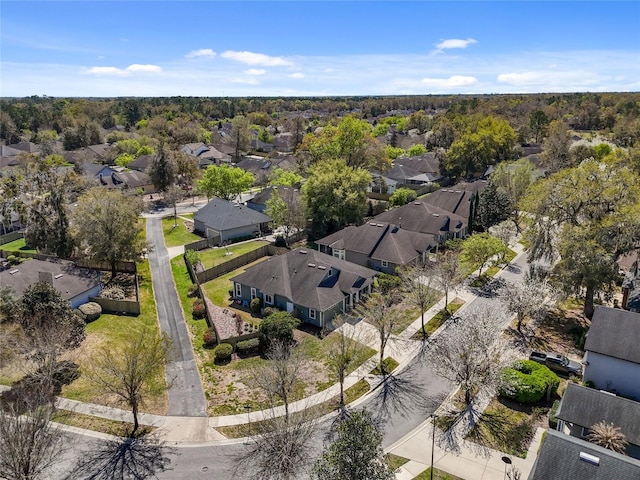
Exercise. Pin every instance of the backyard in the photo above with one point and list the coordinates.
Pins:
(18, 245)
(180, 235)
(217, 255)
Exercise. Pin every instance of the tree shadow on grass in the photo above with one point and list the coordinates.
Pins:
(134, 458)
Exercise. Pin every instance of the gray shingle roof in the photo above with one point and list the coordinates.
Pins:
(381, 241)
(457, 198)
(585, 407)
(222, 215)
(422, 217)
(615, 333)
(559, 458)
(292, 276)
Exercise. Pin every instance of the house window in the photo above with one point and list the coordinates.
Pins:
(238, 290)
(312, 314)
(338, 254)
(385, 263)
(268, 299)
(253, 293)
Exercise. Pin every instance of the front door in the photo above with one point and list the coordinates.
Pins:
(289, 307)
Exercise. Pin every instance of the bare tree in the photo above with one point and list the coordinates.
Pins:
(527, 299)
(127, 370)
(172, 195)
(280, 448)
(29, 444)
(342, 354)
(417, 286)
(472, 353)
(608, 436)
(504, 231)
(379, 312)
(447, 274)
(278, 378)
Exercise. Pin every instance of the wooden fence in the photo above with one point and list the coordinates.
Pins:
(10, 237)
(237, 262)
(127, 307)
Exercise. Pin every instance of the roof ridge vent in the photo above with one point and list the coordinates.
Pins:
(312, 265)
(15, 270)
(322, 267)
(588, 458)
(303, 252)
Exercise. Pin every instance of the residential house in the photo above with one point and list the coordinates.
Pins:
(420, 216)
(27, 147)
(261, 167)
(95, 172)
(224, 221)
(75, 284)
(259, 201)
(612, 353)
(206, 154)
(129, 179)
(583, 407)
(381, 184)
(380, 246)
(564, 457)
(141, 163)
(631, 284)
(101, 153)
(313, 286)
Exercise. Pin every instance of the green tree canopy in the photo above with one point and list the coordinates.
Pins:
(335, 195)
(402, 196)
(279, 327)
(481, 248)
(224, 182)
(512, 180)
(284, 178)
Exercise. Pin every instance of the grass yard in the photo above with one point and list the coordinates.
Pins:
(395, 461)
(18, 245)
(408, 315)
(356, 390)
(113, 329)
(98, 424)
(390, 364)
(215, 256)
(437, 475)
(174, 237)
(507, 427)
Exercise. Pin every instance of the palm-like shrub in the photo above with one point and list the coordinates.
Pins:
(608, 436)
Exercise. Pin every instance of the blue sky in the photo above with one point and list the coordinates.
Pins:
(162, 48)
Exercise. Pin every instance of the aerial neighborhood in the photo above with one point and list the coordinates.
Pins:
(455, 274)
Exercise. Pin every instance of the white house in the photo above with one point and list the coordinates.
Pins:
(612, 358)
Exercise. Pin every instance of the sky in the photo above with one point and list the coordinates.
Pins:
(311, 48)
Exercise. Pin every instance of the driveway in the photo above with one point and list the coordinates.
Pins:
(186, 396)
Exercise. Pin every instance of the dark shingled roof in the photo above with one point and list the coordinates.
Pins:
(559, 458)
(292, 277)
(585, 407)
(422, 217)
(381, 241)
(71, 282)
(222, 215)
(615, 333)
(261, 198)
(457, 198)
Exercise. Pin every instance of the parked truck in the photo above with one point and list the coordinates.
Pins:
(557, 362)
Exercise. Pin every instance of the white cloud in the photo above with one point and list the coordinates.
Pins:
(120, 72)
(255, 71)
(455, 43)
(245, 81)
(144, 68)
(296, 75)
(251, 58)
(550, 77)
(454, 81)
(203, 52)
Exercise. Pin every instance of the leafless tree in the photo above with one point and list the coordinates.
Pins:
(417, 283)
(379, 312)
(172, 196)
(447, 274)
(342, 354)
(472, 353)
(279, 377)
(280, 448)
(530, 298)
(127, 370)
(29, 444)
(505, 231)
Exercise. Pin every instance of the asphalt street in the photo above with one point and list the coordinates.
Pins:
(186, 396)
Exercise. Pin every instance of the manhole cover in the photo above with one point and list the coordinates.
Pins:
(204, 469)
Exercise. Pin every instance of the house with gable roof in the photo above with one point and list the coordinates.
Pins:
(377, 245)
(612, 352)
(224, 221)
(313, 286)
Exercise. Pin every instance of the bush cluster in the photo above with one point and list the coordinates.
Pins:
(222, 353)
(527, 381)
(269, 311)
(209, 338)
(90, 311)
(247, 347)
(256, 306)
(193, 291)
(113, 292)
(198, 311)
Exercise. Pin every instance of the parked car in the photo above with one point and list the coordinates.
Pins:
(557, 362)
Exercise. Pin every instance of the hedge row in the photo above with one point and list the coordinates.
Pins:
(528, 381)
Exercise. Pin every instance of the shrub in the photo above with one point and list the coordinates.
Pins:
(527, 381)
(280, 241)
(90, 311)
(13, 260)
(209, 338)
(553, 421)
(278, 326)
(269, 311)
(222, 353)
(113, 292)
(247, 346)
(402, 196)
(256, 306)
(193, 291)
(198, 311)
(387, 282)
(192, 257)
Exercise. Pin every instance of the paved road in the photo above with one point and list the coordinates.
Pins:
(403, 404)
(186, 396)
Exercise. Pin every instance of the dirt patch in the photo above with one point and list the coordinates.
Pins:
(562, 331)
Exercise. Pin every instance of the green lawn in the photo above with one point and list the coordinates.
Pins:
(437, 475)
(395, 461)
(17, 245)
(215, 256)
(390, 365)
(174, 237)
(114, 329)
